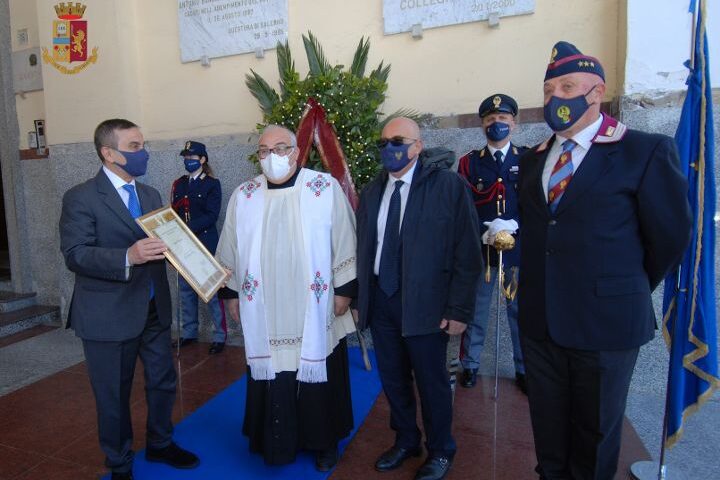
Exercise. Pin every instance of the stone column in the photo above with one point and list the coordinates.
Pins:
(18, 241)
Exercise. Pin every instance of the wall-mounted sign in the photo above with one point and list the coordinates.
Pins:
(27, 74)
(218, 28)
(70, 40)
(401, 15)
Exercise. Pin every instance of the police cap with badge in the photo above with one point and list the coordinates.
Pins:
(194, 148)
(498, 103)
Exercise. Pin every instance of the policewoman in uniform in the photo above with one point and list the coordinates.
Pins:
(196, 197)
(492, 174)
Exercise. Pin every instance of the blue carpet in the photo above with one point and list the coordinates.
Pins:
(214, 433)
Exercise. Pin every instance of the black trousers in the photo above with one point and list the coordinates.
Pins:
(111, 366)
(400, 359)
(577, 404)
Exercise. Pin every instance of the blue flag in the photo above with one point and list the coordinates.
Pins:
(689, 322)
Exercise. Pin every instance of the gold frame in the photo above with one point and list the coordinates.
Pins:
(149, 223)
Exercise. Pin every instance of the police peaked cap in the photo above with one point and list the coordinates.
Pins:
(498, 103)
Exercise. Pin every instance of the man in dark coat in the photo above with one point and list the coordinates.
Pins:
(604, 216)
(418, 264)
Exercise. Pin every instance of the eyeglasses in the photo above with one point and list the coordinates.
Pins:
(279, 149)
(395, 141)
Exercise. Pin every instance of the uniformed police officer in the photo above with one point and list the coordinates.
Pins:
(492, 173)
(196, 197)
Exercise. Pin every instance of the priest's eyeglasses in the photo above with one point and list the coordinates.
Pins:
(396, 141)
(279, 149)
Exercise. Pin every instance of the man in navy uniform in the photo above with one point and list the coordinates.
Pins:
(197, 198)
(604, 216)
(492, 174)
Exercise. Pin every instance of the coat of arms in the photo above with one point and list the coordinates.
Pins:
(70, 40)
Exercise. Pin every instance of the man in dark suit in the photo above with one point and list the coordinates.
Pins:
(120, 306)
(603, 217)
(418, 264)
(492, 174)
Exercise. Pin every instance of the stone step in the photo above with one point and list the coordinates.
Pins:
(28, 317)
(11, 301)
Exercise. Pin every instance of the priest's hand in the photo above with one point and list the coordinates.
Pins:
(341, 305)
(452, 327)
(232, 305)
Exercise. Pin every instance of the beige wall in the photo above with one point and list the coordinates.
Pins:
(449, 71)
(31, 105)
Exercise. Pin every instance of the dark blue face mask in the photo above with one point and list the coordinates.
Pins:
(191, 164)
(562, 113)
(136, 162)
(497, 131)
(395, 157)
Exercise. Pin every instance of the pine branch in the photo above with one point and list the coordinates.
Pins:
(381, 72)
(316, 58)
(360, 59)
(262, 91)
(286, 67)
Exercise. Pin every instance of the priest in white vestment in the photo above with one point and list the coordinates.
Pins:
(289, 239)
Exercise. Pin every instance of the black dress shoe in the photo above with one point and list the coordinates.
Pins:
(326, 459)
(216, 347)
(122, 476)
(520, 382)
(393, 458)
(469, 378)
(173, 455)
(184, 342)
(434, 468)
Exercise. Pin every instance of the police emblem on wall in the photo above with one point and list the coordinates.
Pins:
(70, 40)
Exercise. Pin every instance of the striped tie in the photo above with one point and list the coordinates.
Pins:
(561, 174)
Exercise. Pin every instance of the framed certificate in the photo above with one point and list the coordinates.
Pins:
(187, 254)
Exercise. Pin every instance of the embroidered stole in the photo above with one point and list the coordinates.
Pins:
(316, 206)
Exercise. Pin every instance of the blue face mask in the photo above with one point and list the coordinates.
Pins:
(562, 113)
(191, 165)
(497, 131)
(395, 158)
(136, 162)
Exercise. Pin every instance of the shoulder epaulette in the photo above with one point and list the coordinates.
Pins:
(610, 131)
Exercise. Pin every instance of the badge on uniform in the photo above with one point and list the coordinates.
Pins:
(514, 169)
(479, 184)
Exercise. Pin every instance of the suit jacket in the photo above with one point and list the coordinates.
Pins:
(481, 171)
(622, 224)
(96, 230)
(198, 203)
(441, 259)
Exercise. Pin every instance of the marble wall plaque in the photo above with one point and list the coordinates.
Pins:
(218, 28)
(401, 15)
(27, 73)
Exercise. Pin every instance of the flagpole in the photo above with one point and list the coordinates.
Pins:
(647, 470)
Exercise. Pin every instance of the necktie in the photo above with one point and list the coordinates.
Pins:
(133, 202)
(561, 174)
(135, 211)
(498, 158)
(389, 272)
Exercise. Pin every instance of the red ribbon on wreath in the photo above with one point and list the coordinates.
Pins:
(315, 129)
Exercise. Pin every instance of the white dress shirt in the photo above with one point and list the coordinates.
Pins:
(504, 150)
(118, 183)
(385, 205)
(583, 139)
